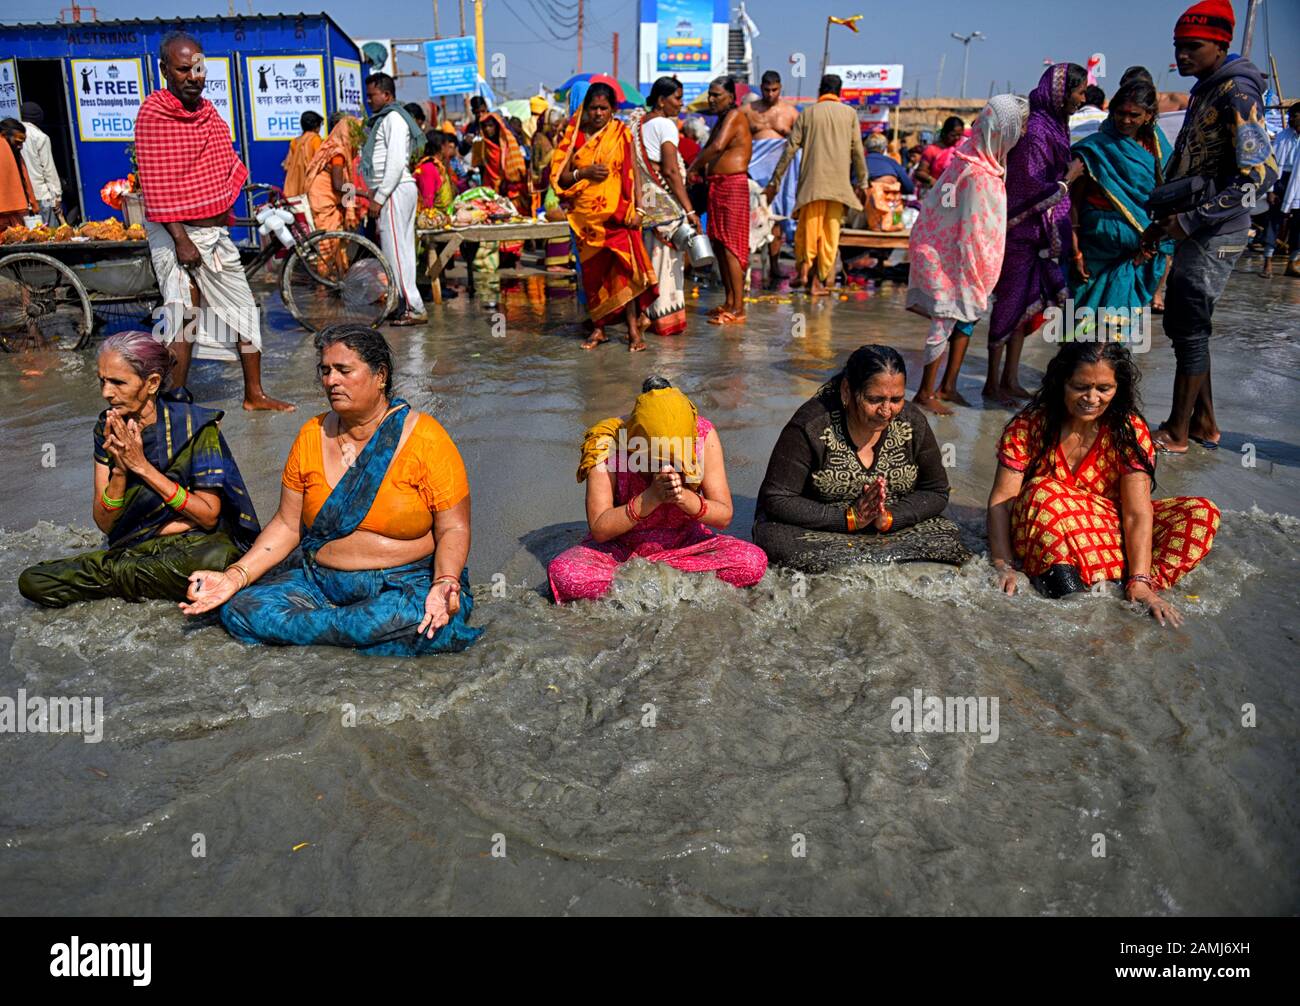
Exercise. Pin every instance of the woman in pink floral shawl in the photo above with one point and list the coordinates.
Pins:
(957, 243)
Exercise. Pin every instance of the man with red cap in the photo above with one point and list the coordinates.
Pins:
(1222, 166)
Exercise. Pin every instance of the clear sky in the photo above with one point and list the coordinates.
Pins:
(1021, 34)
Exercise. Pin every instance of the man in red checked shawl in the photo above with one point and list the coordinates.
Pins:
(191, 177)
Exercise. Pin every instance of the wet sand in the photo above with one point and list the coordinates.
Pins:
(771, 707)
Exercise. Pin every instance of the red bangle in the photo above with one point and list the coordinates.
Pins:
(704, 508)
(630, 510)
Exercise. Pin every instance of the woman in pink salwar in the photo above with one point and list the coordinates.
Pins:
(656, 489)
(957, 243)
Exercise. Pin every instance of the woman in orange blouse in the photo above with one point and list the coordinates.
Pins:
(1072, 496)
(372, 491)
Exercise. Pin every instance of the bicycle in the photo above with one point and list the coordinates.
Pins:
(328, 276)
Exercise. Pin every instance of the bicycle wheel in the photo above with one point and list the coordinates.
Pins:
(41, 301)
(337, 276)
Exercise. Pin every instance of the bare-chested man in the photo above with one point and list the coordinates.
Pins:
(771, 117)
(770, 120)
(724, 161)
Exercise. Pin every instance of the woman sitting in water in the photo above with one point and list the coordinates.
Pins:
(167, 491)
(370, 491)
(1072, 496)
(656, 488)
(856, 476)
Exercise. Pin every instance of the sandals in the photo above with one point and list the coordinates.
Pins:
(408, 320)
(727, 318)
(1163, 447)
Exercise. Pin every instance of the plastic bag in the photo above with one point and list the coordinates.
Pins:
(365, 284)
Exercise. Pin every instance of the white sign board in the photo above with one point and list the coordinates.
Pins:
(10, 99)
(280, 89)
(347, 87)
(109, 93)
(218, 89)
(870, 83)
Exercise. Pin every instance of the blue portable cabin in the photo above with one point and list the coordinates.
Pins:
(89, 78)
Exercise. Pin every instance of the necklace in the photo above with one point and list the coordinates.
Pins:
(350, 447)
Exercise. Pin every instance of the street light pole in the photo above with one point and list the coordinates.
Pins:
(966, 40)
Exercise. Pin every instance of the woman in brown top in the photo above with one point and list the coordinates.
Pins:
(856, 476)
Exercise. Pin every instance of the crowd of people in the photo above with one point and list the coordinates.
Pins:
(1020, 222)
(375, 496)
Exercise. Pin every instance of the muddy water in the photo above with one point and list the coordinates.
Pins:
(672, 749)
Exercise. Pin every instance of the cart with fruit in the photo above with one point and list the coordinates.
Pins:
(57, 283)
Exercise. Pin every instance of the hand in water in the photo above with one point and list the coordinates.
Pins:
(1161, 610)
(440, 604)
(209, 589)
(1006, 578)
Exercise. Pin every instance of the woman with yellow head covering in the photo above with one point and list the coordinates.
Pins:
(657, 489)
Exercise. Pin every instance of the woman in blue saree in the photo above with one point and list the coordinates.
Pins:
(375, 494)
(168, 493)
(1123, 161)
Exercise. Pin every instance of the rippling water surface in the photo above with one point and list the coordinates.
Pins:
(669, 749)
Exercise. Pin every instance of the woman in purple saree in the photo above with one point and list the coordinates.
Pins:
(1039, 171)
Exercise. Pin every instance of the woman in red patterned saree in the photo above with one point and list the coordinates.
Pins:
(592, 171)
(1072, 496)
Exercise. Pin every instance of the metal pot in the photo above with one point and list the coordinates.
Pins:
(681, 237)
(700, 251)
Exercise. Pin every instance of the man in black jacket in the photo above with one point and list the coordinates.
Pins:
(1224, 141)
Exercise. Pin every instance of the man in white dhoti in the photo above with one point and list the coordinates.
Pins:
(385, 159)
(190, 177)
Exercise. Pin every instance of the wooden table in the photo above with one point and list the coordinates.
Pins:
(452, 238)
(874, 239)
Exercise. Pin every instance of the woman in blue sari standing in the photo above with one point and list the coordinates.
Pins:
(376, 496)
(1123, 161)
(168, 494)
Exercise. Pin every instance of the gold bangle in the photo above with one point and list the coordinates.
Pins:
(242, 570)
(851, 518)
(889, 521)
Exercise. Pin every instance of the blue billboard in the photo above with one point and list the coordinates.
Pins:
(452, 66)
(685, 35)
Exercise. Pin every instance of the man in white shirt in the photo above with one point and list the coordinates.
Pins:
(394, 197)
(1091, 114)
(40, 164)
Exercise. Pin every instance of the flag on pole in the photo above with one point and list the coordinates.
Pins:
(850, 23)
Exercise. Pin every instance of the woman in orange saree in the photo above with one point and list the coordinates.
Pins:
(503, 164)
(593, 174)
(498, 154)
(327, 187)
